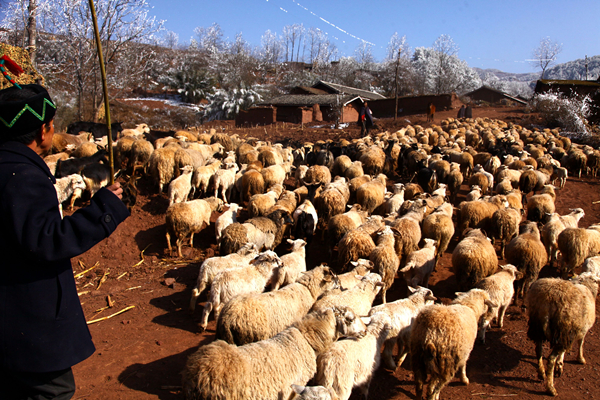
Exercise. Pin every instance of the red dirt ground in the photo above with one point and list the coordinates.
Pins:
(141, 352)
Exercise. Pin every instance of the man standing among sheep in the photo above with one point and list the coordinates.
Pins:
(365, 119)
(43, 331)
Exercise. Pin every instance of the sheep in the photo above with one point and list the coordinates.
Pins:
(577, 244)
(300, 174)
(371, 194)
(202, 175)
(541, 204)
(260, 204)
(305, 221)
(269, 156)
(359, 298)
(235, 282)
(454, 181)
(275, 174)
(403, 313)
(221, 371)
(208, 150)
(560, 312)
(139, 130)
(506, 173)
(560, 173)
(373, 160)
(66, 186)
(394, 202)
(258, 316)
(354, 171)
(478, 213)
(141, 150)
(76, 165)
(226, 219)
(500, 287)
(358, 243)
(555, 225)
(95, 176)
(85, 149)
(439, 226)
(420, 264)
(479, 169)
(352, 363)
(473, 259)
(505, 226)
(188, 218)
(179, 188)
(293, 264)
(341, 224)
(474, 194)
(340, 165)
(385, 259)
(527, 253)
(407, 231)
(161, 166)
(442, 338)
(353, 277)
(318, 174)
(252, 183)
(504, 186)
(266, 232)
(591, 264)
(312, 393)
(63, 141)
(224, 180)
(213, 265)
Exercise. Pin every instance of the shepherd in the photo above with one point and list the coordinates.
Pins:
(365, 119)
(430, 112)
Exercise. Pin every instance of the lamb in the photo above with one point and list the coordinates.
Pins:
(139, 130)
(479, 169)
(305, 221)
(541, 204)
(408, 231)
(202, 175)
(442, 338)
(353, 277)
(221, 371)
(235, 282)
(394, 202)
(371, 194)
(560, 312)
(212, 266)
(261, 203)
(352, 363)
(420, 264)
(312, 393)
(179, 188)
(473, 259)
(359, 298)
(403, 313)
(500, 287)
(161, 166)
(188, 218)
(66, 186)
(555, 225)
(528, 254)
(358, 243)
(439, 226)
(293, 265)
(95, 176)
(224, 180)
(474, 194)
(258, 316)
(577, 244)
(226, 219)
(591, 264)
(478, 213)
(560, 173)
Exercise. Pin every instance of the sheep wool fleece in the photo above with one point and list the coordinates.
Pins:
(42, 326)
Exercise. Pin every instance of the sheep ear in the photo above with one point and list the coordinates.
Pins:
(366, 320)
(412, 289)
(431, 297)
(290, 241)
(491, 304)
(297, 389)
(406, 269)
(354, 263)
(458, 293)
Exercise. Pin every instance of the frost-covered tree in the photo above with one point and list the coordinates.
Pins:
(364, 55)
(545, 54)
(396, 69)
(210, 39)
(570, 113)
(292, 39)
(226, 104)
(272, 48)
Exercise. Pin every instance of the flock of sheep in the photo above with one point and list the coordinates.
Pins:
(282, 326)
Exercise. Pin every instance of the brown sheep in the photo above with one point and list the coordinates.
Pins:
(577, 244)
(473, 259)
(358, 243)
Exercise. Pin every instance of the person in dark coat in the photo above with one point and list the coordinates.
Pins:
(469, 112)
(461, 112)
(365, 119)
(43, 331)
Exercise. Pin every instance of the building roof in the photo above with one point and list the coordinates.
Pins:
(308, 100)
(569, 82)
(500, 92)
(335, 88)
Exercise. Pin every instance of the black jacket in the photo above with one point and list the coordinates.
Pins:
(42, 326)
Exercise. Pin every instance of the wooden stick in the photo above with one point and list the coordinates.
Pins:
(142, 256)
(82, 293)
(595, 202)
(122, 275)
(103, 279)
(135, 287)
(110, 316)
(87, 270)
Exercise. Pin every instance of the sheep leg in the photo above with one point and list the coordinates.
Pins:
(388, 350)
(436, 385)
(168, 241)
(539, 353)
(550, 373)
(463, 373)
(364, 389)
(402, 353)
(501, 313)
(208, 307)
(200, 286)
(580, 358)
(560, 362)
(420, 374)
(179, 243)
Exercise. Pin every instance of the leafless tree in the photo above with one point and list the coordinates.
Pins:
(292, 37)
(364, 55)
(444, 48)
(545, 54)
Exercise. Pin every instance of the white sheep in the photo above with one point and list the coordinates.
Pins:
(202, 175)
(235, 282)
(66, 186)
(312, 393)
(403, 313)
(293, 264)
(224, 180)
(226, 219)
(420, 264)
(179, 188)
(352, 363)
(213, 265)
(139, 130)
(359, 298)
(353, 277)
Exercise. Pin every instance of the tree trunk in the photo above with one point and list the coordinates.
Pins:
(32, 31)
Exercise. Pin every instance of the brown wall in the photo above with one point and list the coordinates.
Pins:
(487, 95)
(256, 116)
(409, 105)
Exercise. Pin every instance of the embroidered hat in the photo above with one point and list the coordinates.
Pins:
(18, 115)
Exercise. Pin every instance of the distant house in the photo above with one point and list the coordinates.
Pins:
(324, 101)
(492, 96)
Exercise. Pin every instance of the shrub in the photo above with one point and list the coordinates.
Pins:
(570, 113)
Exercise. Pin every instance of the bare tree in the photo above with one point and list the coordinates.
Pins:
(364, 55)
(444, 48)
(545, 54)
(272, 48)
(292, 37)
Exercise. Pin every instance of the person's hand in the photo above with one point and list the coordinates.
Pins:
(116, 189)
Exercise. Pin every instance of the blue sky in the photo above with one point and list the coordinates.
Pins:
(499, 34)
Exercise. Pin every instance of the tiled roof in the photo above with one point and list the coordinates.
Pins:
(350, 90)
(307, 100)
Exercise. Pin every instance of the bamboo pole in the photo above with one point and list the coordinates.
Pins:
(105, 90)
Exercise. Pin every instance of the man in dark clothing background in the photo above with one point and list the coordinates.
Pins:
(43, 331)
(365, 119)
